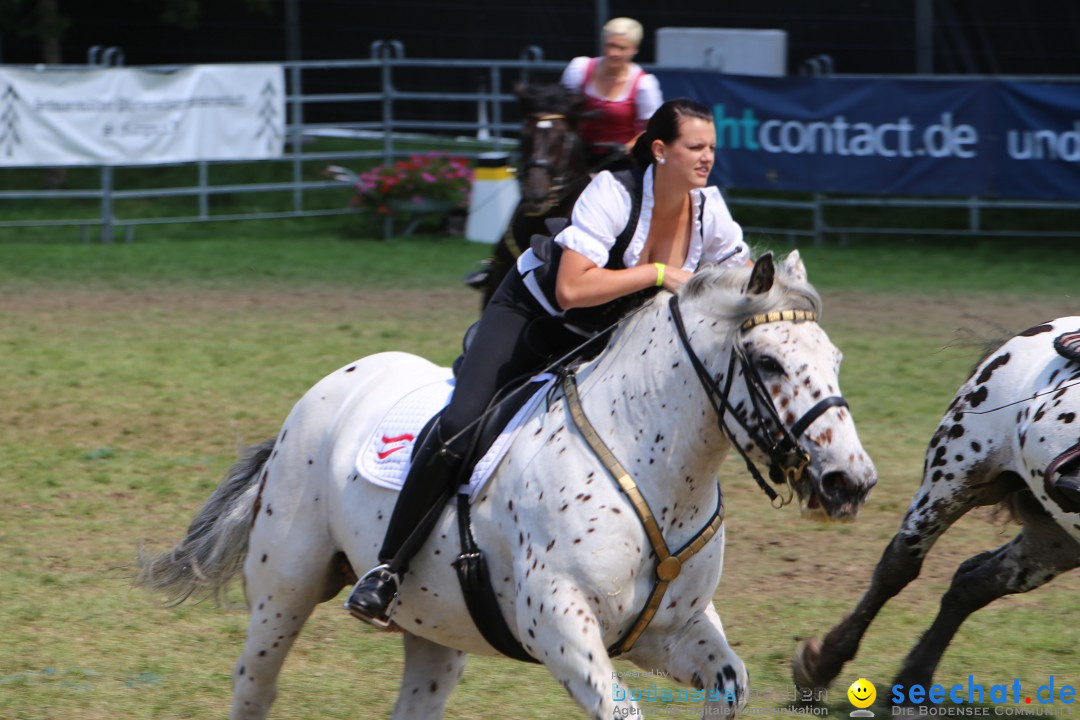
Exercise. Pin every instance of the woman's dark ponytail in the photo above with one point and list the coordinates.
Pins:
(641, 153)
(664, 126)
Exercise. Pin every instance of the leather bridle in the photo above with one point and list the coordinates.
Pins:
(787, 457)
(558, 177)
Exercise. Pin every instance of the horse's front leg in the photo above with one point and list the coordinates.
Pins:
(431, 673)
(698, 655)
(558, 626)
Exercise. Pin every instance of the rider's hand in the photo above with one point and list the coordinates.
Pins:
(674, 277)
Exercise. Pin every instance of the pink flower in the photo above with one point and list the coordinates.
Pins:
(430, 176)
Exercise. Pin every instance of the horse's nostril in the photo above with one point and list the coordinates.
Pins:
(834, 483)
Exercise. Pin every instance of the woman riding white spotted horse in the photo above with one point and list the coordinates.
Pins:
(631, 233)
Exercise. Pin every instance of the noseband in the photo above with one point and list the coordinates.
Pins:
(558, 178)
(787, 457)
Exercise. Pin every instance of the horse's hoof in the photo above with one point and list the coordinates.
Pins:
(804, 663)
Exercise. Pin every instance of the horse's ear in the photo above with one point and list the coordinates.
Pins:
(761, 277)
(519, 88)
(793, 266)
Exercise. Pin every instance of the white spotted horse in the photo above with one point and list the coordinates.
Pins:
(1010, 436)
(577, 545)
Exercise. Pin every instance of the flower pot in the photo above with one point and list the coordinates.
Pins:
(423, 206)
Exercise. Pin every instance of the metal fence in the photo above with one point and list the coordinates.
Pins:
(401, 104)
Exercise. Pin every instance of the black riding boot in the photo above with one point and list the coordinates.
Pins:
(1065, 468)
(1070, 489)
(431, 481)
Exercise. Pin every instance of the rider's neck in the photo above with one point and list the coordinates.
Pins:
(668, 196)
(612, 71)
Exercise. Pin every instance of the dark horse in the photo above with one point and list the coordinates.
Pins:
(552, 173)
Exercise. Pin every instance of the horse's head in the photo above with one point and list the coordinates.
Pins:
(552, 154)
(782, 387)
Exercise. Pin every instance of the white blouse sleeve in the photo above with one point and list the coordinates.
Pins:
(721, 235)
(599, 215)
(648, 98)
(573, 77)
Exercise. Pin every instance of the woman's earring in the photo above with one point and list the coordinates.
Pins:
(660, 160)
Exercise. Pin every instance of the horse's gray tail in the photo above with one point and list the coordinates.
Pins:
(213, 551)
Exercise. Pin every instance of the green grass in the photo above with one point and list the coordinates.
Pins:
(133, 372)
(293, 254)
(332, 250)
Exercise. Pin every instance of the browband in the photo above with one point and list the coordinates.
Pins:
(777, 316)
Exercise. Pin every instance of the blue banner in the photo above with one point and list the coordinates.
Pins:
(885, 136)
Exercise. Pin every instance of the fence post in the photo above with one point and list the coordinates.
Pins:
(387, 51)
(531, 53)
(974, 217)
(496, 104)
(204, 200)
(819, 220)
(113, 56)
(106, 204)
(296, 119)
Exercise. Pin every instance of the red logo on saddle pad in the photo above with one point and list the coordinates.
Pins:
(403, 439)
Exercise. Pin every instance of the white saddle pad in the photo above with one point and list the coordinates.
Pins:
(385, 456)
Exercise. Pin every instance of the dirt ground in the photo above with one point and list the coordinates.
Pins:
(778, 569)
(931, 315)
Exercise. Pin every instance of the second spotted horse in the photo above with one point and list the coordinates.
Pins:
(1010, 436)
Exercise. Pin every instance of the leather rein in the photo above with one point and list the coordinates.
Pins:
(787, 458)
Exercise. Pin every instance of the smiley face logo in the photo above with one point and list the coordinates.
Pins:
(862, 693)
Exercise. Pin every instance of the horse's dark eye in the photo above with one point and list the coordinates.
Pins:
(767, 364)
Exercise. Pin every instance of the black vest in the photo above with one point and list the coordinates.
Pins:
(597, 318)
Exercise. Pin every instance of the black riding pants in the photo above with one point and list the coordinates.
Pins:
(515, 337)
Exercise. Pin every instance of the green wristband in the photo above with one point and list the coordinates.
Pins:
(659, 274)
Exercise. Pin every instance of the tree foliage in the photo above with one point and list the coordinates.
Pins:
(46, 20)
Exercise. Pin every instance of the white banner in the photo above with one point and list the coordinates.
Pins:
(127, 116)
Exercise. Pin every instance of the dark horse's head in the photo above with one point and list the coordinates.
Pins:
(552, 154)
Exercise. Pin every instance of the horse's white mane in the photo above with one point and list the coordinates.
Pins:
(790, 291)
(724, 290)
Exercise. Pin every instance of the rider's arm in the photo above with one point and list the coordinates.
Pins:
(580, 283)
(599, 216)
(647, 99)
(573, 77)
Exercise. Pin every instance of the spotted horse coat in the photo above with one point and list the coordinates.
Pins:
(1019, 410)
(570, 564)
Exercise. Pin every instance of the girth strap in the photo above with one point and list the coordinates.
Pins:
(668, 565)
(480, 598)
